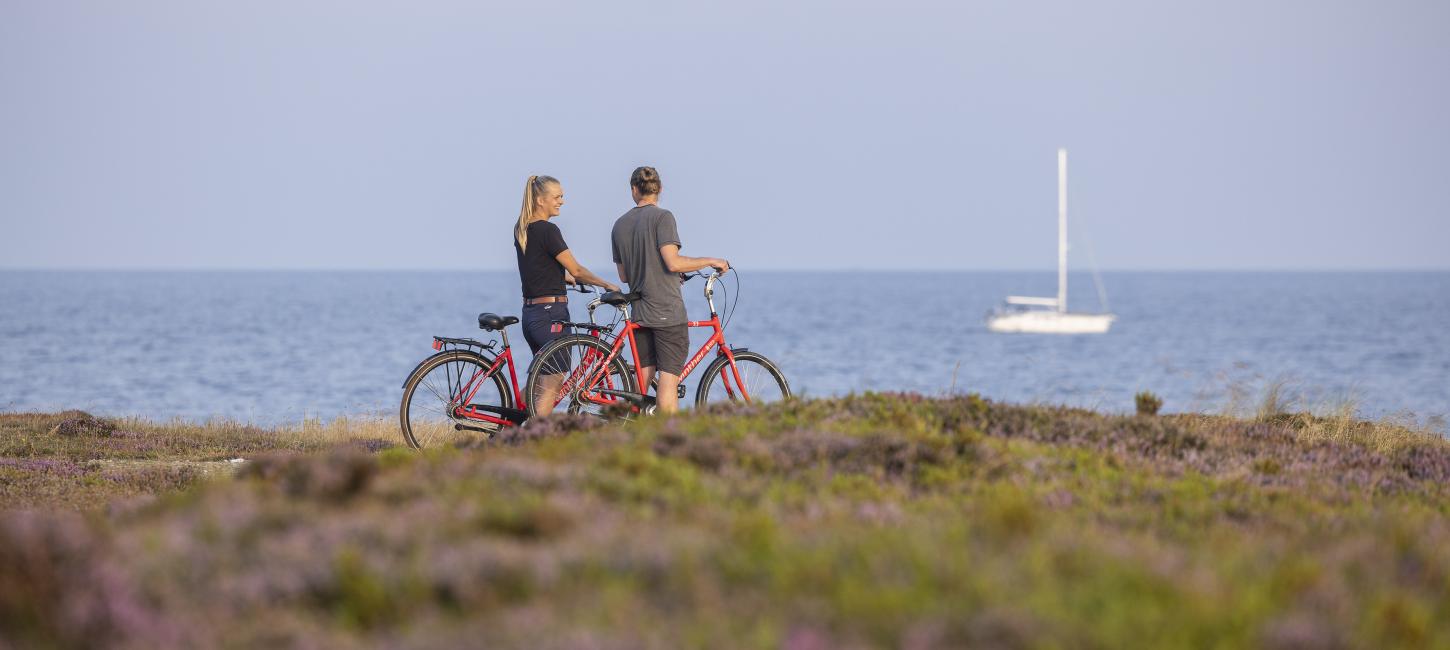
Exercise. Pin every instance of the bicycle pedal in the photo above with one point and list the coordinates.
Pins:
(680, 391)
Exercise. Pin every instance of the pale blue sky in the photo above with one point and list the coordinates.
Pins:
(911, 135)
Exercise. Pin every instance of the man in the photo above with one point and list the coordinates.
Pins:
(646, 248)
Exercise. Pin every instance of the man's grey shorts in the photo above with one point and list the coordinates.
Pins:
(665, 348)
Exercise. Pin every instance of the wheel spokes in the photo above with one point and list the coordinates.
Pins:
(569, 377)
(432, 415)
(749, 381)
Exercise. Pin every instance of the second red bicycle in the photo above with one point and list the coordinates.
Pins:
(587, 373)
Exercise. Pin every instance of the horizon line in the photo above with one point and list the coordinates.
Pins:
(201, 269)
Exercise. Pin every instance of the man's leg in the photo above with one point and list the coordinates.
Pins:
(671, 345)
(668, 396)
(644, 347)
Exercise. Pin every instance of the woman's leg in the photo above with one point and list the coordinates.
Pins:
(539, 333)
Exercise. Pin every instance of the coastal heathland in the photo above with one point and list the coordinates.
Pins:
(879, 520)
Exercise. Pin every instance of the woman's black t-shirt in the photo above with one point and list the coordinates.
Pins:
(539, 272)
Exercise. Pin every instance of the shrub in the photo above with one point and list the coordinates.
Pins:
(1148, 403)
(339, 475)
(80, 423)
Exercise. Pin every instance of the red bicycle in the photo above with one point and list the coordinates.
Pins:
(461, 391)
(588, 372)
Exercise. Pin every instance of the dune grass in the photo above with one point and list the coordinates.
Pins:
(869, 521)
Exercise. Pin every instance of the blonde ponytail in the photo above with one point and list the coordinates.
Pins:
(532, 189)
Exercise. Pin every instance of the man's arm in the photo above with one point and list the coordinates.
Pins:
(623, 277)
(572, 267)
(677, 263)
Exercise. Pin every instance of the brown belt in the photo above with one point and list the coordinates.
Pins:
(545, 299)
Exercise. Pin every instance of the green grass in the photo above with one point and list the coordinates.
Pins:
(871, 521)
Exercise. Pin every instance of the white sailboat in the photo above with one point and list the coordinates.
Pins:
(1050, 315)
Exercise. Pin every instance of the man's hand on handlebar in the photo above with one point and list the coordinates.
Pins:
(584, 288)
(686, 277)
(721, 266)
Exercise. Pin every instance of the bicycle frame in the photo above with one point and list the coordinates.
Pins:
(467, 391)
(461, 395)
(716, 342)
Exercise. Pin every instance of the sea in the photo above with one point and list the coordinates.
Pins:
(277, 348)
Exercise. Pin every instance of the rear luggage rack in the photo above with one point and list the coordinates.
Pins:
(445, 343)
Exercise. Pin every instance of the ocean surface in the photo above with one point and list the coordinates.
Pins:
(278, 347)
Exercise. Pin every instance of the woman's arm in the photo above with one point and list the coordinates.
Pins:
(574, 268)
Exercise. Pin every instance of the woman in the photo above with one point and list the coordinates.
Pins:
(546, 266)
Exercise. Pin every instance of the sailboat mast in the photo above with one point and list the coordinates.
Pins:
(1061, 230)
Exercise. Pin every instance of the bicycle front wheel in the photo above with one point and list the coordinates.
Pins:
(439, 396)
(567, 374)
(753, 380)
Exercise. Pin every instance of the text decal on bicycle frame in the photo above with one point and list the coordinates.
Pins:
(715, 339)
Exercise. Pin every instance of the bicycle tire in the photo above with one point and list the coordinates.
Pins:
(564, 355)
(440, 430)
(764, 381)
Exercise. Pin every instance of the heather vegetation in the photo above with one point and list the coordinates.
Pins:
(871, 521)
(73, 460)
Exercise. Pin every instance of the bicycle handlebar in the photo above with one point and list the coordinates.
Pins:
(686, 277)
(588, 326)
(710, 279)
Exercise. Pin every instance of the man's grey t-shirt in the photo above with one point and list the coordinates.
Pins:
(636, 240)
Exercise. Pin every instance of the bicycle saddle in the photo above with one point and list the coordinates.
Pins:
(489, 321)
(616, 298)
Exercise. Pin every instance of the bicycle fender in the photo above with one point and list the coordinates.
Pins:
(720, 360)
(486, 360)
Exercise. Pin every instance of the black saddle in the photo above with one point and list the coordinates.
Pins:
(492, 322)
(616, 298)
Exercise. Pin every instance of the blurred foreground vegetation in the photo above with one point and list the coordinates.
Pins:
(871, 521)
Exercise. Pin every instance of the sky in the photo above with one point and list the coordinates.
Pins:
(195, 134)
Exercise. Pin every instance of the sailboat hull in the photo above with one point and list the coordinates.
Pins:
(1050, 322)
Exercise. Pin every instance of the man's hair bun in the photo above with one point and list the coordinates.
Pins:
(646, 180)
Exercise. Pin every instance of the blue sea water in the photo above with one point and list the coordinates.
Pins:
(275, 347)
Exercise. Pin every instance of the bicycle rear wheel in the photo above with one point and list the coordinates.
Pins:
(762, 381)
(434, 393)
(573, 369)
